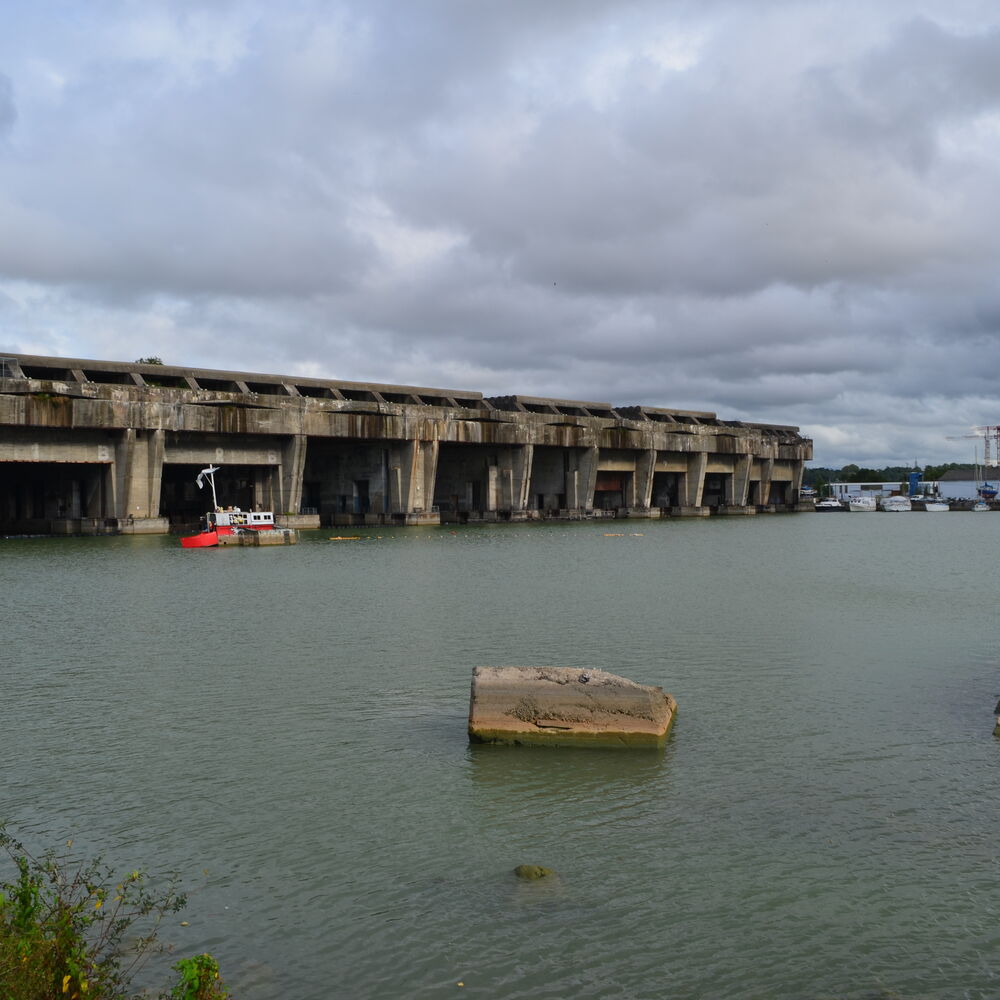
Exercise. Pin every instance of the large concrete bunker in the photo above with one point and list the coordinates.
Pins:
(103, 446)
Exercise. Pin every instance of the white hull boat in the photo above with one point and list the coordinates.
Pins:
(861, 505)
(936, 505)
(896, 504)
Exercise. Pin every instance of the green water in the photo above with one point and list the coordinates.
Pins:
(822, 823)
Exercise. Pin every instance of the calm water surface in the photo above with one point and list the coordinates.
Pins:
(822, 824)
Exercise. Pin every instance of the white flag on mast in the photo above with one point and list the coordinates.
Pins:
(206, 472)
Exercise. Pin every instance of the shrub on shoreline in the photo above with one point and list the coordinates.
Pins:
(70, 928)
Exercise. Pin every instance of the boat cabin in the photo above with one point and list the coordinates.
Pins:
(225, 521)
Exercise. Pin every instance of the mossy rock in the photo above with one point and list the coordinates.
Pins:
(532, 872)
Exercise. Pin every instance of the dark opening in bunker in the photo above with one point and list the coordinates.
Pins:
(666, 489)
(36, 495)
(718, 489)
(609, 493)
(243, 486)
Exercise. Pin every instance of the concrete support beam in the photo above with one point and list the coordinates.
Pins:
(412, 472)
(93, 501)
(741, 481)
(642, 480)
(155, 449)
(766, 471)
(424, 475)
(263, 488)
(138, 471)
(581, 478)
(798, 470)
(497, 486)
(522, 459)
(121, 477)
(693, 485)
(509, 481)
(397, 485)
(293, 462)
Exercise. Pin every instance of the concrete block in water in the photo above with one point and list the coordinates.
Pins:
(280, 536)
(565, 706)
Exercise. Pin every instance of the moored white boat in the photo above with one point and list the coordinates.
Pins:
(895, 504)
(937, 505)
(829, 503)
(861, 504)
(979, 506)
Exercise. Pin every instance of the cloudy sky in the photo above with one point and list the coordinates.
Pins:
(778, 210)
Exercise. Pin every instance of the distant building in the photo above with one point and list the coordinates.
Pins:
(843, 490)
(963, 483)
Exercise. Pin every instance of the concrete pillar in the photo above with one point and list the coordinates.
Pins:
(741, 481)
(522, 458)
(396, 459)
(509, 481)
(798, 468)
(138, 473)
(155, 449)
(642, 480)
(427, 466)
(495, 486)
(263, 488)
(581, 478)
(293, 463)
(694, 479)
(412, 474)
(766, 470)
(93, 493)
(125, 452)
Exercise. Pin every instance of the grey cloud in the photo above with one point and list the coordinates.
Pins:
(8, 109)
(792, 225)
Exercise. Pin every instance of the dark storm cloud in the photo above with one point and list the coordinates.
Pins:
(777, 211)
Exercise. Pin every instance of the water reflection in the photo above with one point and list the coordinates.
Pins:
(566, 772)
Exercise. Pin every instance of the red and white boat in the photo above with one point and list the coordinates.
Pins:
(225, 525)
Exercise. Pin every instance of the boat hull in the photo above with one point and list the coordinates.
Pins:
(895, 505)
(203, 540)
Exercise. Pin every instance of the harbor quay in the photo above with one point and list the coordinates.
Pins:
(104, 447)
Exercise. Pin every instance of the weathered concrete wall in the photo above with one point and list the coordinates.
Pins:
(134, 434)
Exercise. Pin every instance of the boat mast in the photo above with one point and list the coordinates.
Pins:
(209, 474)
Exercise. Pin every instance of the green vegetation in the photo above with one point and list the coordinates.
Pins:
(819, 478)
(199, 979)
(149, 361)
(71, 929)
(937, 471)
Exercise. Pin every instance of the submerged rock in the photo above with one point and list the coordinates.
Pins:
(532, 872)
(562, 706)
